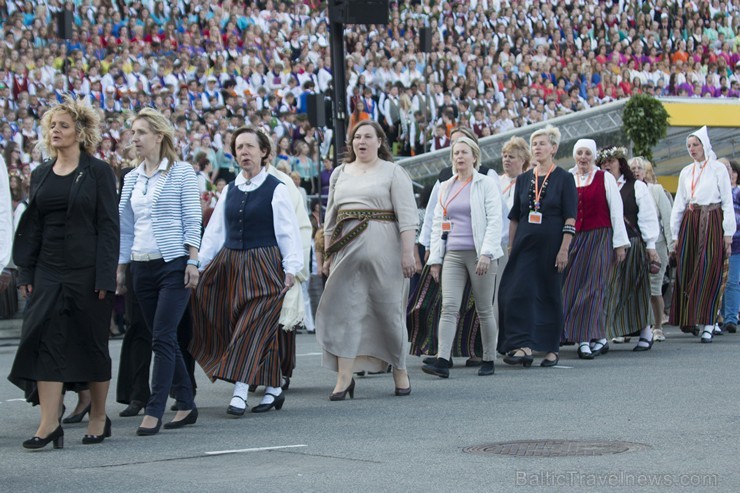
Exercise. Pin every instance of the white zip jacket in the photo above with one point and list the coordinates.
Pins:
(485, 218)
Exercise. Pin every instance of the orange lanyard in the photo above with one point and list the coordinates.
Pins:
(511, 183)
(698, 178)
(445, 206)
(538, 190)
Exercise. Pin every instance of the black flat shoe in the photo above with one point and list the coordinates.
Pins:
(56, 436)
(403, 392)
(473, 363)
(486, 369)
(601, 351)
(649, 346)
(190, 419)
(76, 418)
(731, 328)
(339, 396)
(91, 439)
(432, 359)
(286, 383)
(440, 368)
(133, 409)
(277, 403)
(547, 363)
(143, 432)
(237, 411)
(525, 359)
(584, 355)
(706, 340)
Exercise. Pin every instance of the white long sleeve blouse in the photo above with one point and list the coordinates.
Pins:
(284, 222)
(712, 186)
(647, 214)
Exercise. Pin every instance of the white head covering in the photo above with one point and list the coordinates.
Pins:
(588, 144)
(703, 136)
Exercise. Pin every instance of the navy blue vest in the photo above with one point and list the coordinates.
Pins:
(249, 217)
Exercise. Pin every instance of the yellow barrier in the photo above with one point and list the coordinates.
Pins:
(670, 183)
(699, 114)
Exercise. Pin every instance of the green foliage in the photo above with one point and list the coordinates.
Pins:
(645, 123)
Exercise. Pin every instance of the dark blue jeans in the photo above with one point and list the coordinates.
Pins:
(159, 286)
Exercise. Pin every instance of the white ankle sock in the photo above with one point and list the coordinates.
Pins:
(707, 332)
(598, 344)
(584, 347)
(270, 393)
(239, 397)
(647, 334)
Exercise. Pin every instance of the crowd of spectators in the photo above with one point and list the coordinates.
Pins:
(213, 66)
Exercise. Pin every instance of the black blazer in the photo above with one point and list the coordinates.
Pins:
(92, 231)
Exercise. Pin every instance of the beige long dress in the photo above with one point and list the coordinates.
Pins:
(362, 312)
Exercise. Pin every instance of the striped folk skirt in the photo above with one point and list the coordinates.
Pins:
(422, 320)
(236, 309)
(701, 266)
(627, 307)
(584, 290)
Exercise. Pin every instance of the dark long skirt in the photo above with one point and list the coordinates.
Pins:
(65, 331)
(701, 264)
(422, 320)
(627, 307)
(236, 313)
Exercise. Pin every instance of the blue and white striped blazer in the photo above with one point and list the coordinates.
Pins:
(176, 213)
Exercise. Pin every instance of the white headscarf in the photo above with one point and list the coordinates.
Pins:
(703, 137)
(588, 144)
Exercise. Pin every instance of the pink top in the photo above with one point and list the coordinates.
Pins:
(461, 236)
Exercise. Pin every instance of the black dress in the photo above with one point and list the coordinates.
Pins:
(530, 294)
(65, 330)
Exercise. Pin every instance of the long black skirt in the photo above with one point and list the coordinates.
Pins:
(65, 331)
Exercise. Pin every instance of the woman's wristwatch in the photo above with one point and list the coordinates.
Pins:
(194, 262)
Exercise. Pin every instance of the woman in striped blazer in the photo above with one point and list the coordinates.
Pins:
(160, 236)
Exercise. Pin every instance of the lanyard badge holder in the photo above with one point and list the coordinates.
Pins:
(535, 216)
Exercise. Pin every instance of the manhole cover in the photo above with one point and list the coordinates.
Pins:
(555, 448)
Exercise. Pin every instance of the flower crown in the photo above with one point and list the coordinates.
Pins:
(611, 153)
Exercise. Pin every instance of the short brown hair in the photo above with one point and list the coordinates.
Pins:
(262, 140)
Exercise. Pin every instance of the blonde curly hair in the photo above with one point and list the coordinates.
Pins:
(87, 125)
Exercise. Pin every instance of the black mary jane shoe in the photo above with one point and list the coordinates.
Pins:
(76, 418)
(601, 351)
(133, 409)
(92, 439)
(524, 359)
(585, 355)
(486, 369)
(56, 436)
(547, 363)
(144, 432)
(190, 419)
(237, 411)
(649, 346)
(277, 403)
(706, 340)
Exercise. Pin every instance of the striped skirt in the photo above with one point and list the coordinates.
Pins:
(627, 308)
(584, 288)
(236, 309)
(422, 320)
(701, 265)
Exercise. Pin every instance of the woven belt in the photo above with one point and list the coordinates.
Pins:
(339, 241)
(145, 257)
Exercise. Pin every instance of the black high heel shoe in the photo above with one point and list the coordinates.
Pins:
(56, 436)
(550, 362)
(190, 419)
(339, 396)
(525, 359)
(277, 403)
(143, 432)
(91, 439)
(76, 418)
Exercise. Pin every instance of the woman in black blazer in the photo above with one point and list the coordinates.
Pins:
(66, 249)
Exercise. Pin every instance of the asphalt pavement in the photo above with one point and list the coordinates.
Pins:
(676, 405)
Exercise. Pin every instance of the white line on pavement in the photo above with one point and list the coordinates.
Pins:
(309, 354)
(258, 449)
(563, 367)
(16, 400)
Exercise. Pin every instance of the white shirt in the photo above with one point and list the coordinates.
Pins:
(142, 198)
(647, 215)
(6, 216)
(283, 219)
(712, 186)
(614, 200)
(507, 189)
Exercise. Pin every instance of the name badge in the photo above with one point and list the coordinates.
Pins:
(535, 217)
(446, 226)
